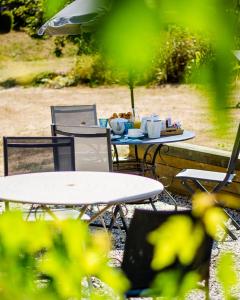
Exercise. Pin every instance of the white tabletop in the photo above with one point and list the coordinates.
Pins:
(77, 188)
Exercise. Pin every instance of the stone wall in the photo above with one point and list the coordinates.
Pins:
(175, 157)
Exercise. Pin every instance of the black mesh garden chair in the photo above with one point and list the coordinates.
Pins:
(40, 154)
(75, 115)
(138, 252)
(92, 146)
(92, 150)
(221, 179)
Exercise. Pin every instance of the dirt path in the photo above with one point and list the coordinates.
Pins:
(25, 111)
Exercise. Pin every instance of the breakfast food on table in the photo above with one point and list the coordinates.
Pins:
(127, 115)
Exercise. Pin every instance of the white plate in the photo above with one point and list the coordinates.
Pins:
(136, 137)
(115, 137)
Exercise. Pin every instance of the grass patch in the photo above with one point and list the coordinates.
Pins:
(22, 59)
(24, 72)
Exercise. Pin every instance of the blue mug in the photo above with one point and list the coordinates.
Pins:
(103, 122)
(128, 125)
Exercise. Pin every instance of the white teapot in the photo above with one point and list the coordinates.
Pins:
(117, 125)
(145, 120)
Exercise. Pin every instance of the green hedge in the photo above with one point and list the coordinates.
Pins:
(6, 22)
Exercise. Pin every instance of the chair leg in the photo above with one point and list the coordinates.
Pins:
(152, 203)
(229, 232)
(187, 187)
(235, 223)
(118, 210)
(232, 236)
(115, 213)
(207, 296)
(123, 218)
(171, 197)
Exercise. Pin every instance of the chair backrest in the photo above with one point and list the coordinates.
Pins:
(92, 146)
(38, 154)
(138, 252)
(76, 115)
(235, 153)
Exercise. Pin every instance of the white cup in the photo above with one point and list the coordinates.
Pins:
(154, 129)
(134, 132)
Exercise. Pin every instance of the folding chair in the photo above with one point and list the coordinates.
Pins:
(221, 179)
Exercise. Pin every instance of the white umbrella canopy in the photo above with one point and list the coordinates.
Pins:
(79, 16)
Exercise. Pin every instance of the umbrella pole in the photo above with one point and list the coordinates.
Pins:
(131, 87)
(132, 100)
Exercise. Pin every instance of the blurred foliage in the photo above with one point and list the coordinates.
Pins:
(227, 274)
(187, 238)
(129, 35)
(52, 7)
(132, 33)
(174, 256)
(52, 260)
(182, 248)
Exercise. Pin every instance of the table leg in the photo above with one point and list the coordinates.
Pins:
(48, 210)
(99, 213)
(82, 211)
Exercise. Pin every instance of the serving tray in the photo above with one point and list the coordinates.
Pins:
(172, 131)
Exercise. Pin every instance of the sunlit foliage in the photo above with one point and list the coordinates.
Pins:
(52, 260)
(227, 275)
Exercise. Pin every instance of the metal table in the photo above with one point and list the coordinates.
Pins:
(187, 135)
(77, 189)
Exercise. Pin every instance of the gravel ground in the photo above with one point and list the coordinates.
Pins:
(227, 245)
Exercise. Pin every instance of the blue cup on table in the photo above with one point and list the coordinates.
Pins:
(103, 122)
(128, 125)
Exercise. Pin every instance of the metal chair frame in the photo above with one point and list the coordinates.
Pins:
(107, 135)
(40, 143)
(74, 109)
(227, 177)
(56, 143)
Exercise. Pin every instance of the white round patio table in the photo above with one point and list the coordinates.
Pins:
(77, 189)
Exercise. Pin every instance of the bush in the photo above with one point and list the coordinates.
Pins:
(91, 69)
(27, 14)
(181, 53)
(6, 22)
(54, 80)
